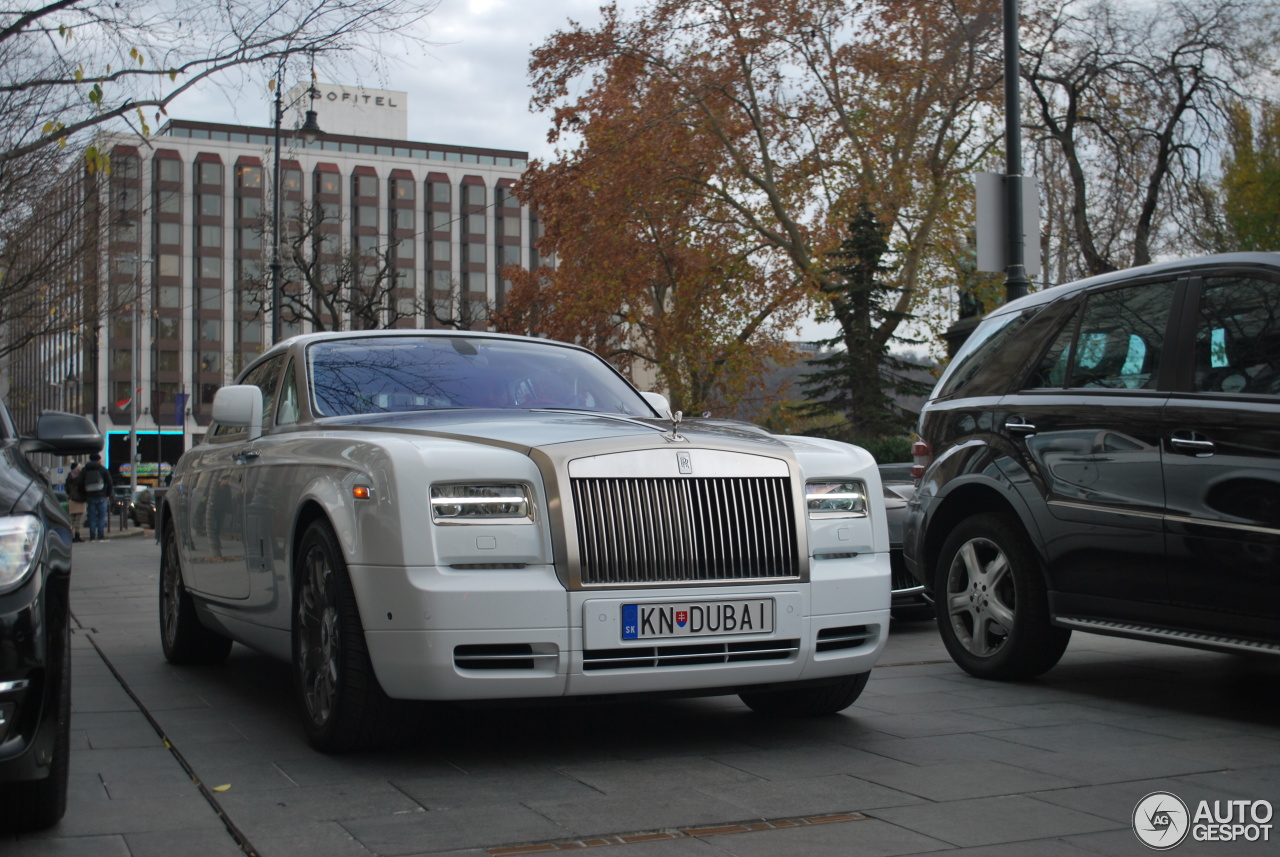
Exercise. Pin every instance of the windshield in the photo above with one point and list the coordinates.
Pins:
(411, 373)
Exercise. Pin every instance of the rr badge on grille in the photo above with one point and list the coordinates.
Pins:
(685, 463)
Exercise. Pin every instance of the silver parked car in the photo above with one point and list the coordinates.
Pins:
(412, 515)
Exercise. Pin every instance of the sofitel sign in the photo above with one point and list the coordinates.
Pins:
(360, 98)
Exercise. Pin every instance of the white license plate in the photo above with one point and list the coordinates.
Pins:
(697, 618)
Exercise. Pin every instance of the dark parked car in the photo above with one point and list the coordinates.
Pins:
(35, 627)
(142, 509)
(898, 487)
(1104, 456)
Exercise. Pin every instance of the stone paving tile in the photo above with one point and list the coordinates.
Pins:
(181, 843)
(866, 838)
(285, 807)
(310, 839)
(1049, 714)
(934, 723)
(116, 729)
(1234, 752)
(70, 846)
(1095, 736)
(452, 830)
(624, 774)
(1114, 765)
(939, 749)
(987, 821)
(800, 762)
(639, 810)
(462, 791)
(1124, 843)
(1038, 848)
(811, 796)
(961, 780)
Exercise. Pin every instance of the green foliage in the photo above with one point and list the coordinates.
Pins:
(1251, 180)
(891, 449)
(857, 381)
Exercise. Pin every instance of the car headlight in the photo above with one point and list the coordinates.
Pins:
(487, 504)
(836, 498)
(19, 541)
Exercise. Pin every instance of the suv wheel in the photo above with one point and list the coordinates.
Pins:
(993, 611)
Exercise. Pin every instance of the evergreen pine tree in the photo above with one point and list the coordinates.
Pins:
(859, 378)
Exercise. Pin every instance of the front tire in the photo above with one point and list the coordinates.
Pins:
(183, 638)
(343, 706)
(38, 804)
(815, 701)
(993, 608)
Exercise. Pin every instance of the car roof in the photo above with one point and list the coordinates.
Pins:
(1178, 267)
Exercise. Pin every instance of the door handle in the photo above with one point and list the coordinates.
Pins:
(1019, 425)
(247, 455)
(1192, 443)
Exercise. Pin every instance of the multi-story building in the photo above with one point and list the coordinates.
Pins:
(183, 283)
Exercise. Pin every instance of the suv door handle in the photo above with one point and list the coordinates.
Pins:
(247, 455)
(1018, 425)
(1191, 442)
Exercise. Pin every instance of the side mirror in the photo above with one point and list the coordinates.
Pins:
(239, 405)
(659, 403)
(63, 434)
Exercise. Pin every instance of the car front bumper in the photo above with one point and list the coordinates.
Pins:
(27, 682)
(447, 634)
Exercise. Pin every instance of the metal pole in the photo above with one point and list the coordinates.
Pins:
(1016, 283)
(133, 393)
(276, 267)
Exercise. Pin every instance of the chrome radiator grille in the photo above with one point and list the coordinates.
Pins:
(674, 530)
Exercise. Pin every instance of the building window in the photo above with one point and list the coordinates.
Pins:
(441, 192)
(441, 221)
(406, 278)
(440, 251)
(210, 330)
(477, 282)
(442, 280)
(404, 218)
(210, 361)
(168, 170)
(404, 249)
(250, 207)
(210, 236)
(402, 188)
(368, 245)
(168, 201)
(211, 299)
(250, 238)
(367, 186)
(291, 180)
(509, 227)
(122, 359)
(168, 233)
(167, 361)
(474, 194)
(169, 265)
(168, 328)
(250, 271)
(210, 205)
(475, 254)
(211, 267)
(208, 173)
(510, 256)
(367, 215)
(207, 392)
(476, 224)
(251, 331)
(169, 297)
(249, 177)
(330, 183)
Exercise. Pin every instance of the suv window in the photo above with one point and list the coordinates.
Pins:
(1114, 344)
(1238, 336)
(985, 341)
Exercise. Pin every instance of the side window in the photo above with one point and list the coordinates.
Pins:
(266, 377)
(288, 412)
(1052, 371)
(1238, 336)
(1120, 338)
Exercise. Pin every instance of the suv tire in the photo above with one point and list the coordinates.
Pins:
(993, 609)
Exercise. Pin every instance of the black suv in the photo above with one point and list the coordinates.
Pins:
(35, 622)
(1105, 456)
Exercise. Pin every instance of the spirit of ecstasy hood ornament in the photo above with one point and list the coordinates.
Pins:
(674, 435)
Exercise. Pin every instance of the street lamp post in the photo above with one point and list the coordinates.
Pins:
(310, 131)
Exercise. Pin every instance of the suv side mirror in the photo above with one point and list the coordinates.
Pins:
(63, 434)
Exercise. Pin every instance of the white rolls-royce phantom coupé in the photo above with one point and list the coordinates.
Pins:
(413, 515)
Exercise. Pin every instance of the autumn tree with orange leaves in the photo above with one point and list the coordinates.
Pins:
(709, 154)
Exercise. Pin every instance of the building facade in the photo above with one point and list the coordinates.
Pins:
(181, 298)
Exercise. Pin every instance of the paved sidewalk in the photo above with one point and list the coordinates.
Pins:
(929, 760)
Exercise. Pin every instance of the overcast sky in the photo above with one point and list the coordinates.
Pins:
(469, 87)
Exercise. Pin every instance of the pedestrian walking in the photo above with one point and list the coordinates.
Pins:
(75, 500)
(96, 481)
